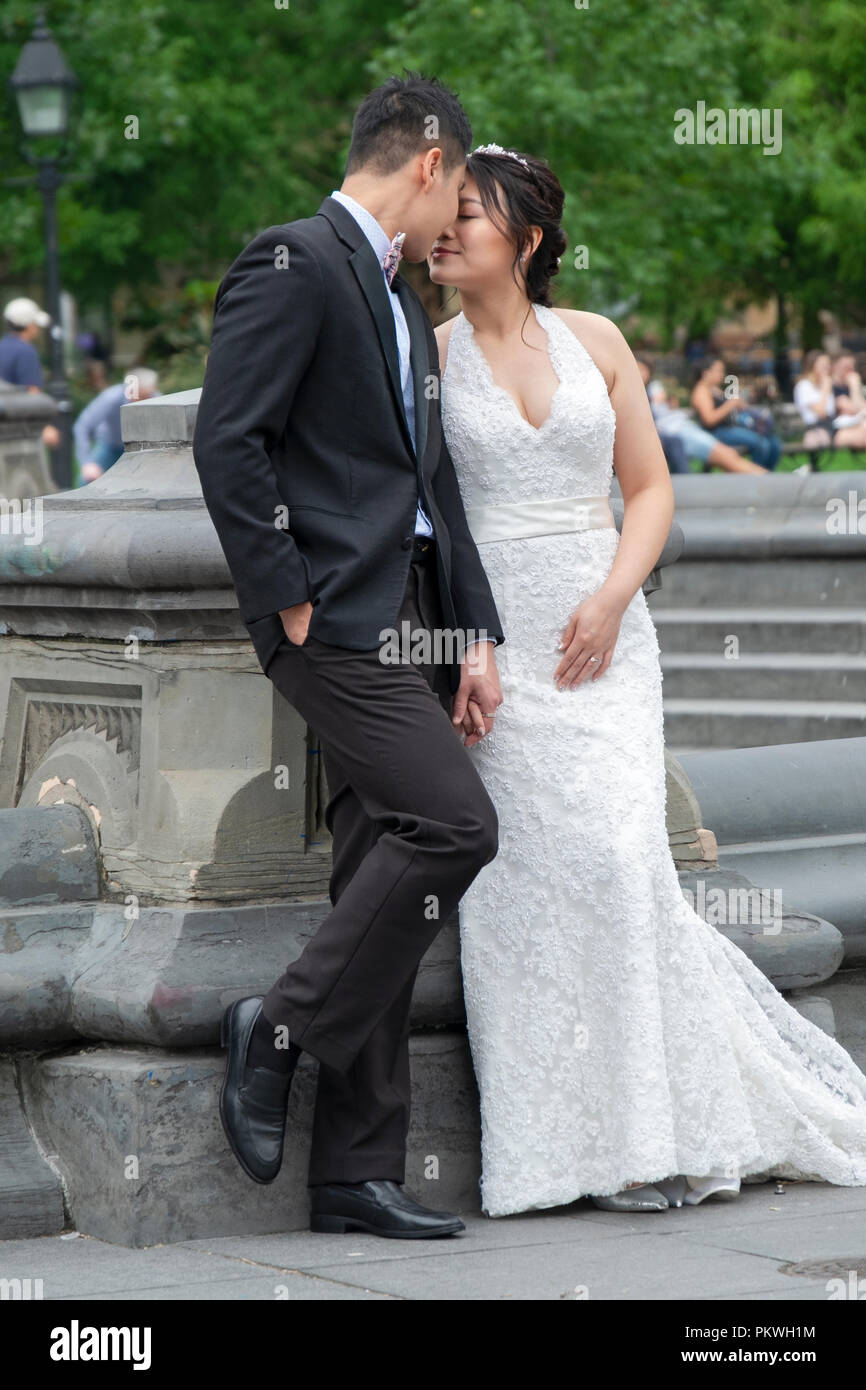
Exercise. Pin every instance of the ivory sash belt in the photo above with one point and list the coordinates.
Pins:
(515, 520)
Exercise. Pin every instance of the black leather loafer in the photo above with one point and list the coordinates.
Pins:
(382, 1207)
(253, 1100)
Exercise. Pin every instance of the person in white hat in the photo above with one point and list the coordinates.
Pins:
(19, 361)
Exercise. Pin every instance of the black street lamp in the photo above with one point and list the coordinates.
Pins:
(42, 85)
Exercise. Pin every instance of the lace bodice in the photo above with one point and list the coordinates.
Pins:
(498, 455)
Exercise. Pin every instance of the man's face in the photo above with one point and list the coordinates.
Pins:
(452, 185)
(437, 208)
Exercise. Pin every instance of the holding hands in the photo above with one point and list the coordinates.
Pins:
(479, 694)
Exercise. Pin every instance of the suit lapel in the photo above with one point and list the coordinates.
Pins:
(420, 362)
(369, 276)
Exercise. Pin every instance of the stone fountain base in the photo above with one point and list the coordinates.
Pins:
(135, 1151)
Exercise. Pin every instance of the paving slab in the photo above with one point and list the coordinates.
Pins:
(740, 1250)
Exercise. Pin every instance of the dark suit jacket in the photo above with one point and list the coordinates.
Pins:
(303, 449)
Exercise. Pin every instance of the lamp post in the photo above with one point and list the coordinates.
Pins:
(42, 85)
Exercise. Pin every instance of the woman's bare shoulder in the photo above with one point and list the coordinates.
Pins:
(443, 334)
(600, 336)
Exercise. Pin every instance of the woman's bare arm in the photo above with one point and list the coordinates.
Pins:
(638, 458)
(708, 412)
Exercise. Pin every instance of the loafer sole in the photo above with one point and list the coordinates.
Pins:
(344, 1225)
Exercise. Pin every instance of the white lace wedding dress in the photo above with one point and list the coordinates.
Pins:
(616, 1037)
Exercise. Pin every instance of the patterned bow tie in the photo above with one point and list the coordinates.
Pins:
(391, 259)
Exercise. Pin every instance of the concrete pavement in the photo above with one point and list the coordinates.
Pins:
(762, 1246)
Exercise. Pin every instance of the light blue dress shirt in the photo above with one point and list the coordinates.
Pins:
(380, 242)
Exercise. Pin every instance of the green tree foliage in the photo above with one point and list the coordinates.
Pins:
(677, 229)
(244, 112)
(817, 194)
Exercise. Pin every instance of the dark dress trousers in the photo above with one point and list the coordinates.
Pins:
(309, 473)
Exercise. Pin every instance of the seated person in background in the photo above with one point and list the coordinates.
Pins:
(673, 423)
(676, 457)
(673, 448)
(730, 420)
(849, 422)
(814, 398)
(98, 438)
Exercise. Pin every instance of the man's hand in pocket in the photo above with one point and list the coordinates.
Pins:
(296, 621)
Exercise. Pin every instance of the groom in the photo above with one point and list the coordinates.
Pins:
(323, 466)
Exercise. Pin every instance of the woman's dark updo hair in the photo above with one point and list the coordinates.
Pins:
(533, 197)
(703, 366)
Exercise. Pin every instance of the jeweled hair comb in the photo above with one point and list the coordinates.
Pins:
(498, 149)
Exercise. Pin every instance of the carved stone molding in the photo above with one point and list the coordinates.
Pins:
(48, 720)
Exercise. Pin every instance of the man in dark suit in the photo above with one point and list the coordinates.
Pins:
(323, 465)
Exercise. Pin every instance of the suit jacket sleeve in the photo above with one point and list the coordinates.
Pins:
(266, 322)
(470, 587)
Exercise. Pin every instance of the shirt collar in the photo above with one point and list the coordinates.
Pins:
(375, 234)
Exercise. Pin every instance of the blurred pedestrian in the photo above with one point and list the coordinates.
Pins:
(98, 437)
(23, 321)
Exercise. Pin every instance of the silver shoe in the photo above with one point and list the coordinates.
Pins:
(674, 1189)
(723, 1188)
(646, 1198)
(683, 1190)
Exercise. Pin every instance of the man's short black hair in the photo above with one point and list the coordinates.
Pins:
(406, 116)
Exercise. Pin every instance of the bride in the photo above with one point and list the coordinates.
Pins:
(624, 1049)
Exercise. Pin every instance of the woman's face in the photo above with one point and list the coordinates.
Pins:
(716, 372)
(842, 368)
(471, 253)
(822, 365)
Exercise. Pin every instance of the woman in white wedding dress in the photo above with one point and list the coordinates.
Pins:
(624, 1049)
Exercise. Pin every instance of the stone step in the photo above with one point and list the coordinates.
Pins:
(794, 582)
(793, 817)
(771, 676)
(822, 869)
(160, 1108)
(715, 723)
(761, 628)
(31, 1192)
(846, 995)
